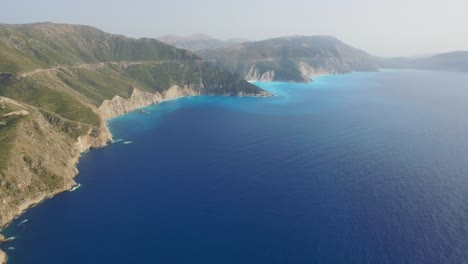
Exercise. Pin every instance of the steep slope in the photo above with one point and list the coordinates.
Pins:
(3, 257)
(58, 84)
(451, 61)
(295, 58)
(197, 42)
(193, 42)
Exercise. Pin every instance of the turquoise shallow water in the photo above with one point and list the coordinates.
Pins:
(357, 168)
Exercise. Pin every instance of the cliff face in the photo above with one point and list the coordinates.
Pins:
(254, 75)
(3, 257)
(308, 70)
(42, 160)
(305, 69)
(119, 106)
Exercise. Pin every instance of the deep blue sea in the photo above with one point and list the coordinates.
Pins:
(357, 168)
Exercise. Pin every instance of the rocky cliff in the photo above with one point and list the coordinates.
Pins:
(306, 71)
(119, 106)
(255, 75)
(3, 257)
(42, 159)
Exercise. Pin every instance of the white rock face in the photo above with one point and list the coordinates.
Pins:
(254, 75)
(308, 71)
(268, 76)
(119, 106)
(3, 257)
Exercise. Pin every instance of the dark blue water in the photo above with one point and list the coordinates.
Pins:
(360, 168)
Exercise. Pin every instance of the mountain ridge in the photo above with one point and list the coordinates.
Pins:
(197, 42)
(291, 58)
(448, 61)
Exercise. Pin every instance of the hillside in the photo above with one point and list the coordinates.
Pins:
(295, 58)
(58, 84)
(197, 42)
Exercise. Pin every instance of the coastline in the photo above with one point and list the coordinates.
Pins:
(85, 146)
(3, 257)
(121, 106)
(162, 101)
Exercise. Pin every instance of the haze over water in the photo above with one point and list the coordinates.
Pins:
(359, 168)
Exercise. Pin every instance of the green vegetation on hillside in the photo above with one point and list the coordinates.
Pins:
(45, 45)
(8, 127)
(39, 92)
(97, 85)
(64, 68)
(71, 128)
(217, 81)
(162, 76)
(66, 71)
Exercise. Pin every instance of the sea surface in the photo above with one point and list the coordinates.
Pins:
(357, 168)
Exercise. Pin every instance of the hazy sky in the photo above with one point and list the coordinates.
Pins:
(381, 27)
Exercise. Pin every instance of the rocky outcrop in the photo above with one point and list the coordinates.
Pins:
(308, 71)
(3, 239)
(119, 106)
(3, 257)
(254, 75)
(42, 162)
(94, 140)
